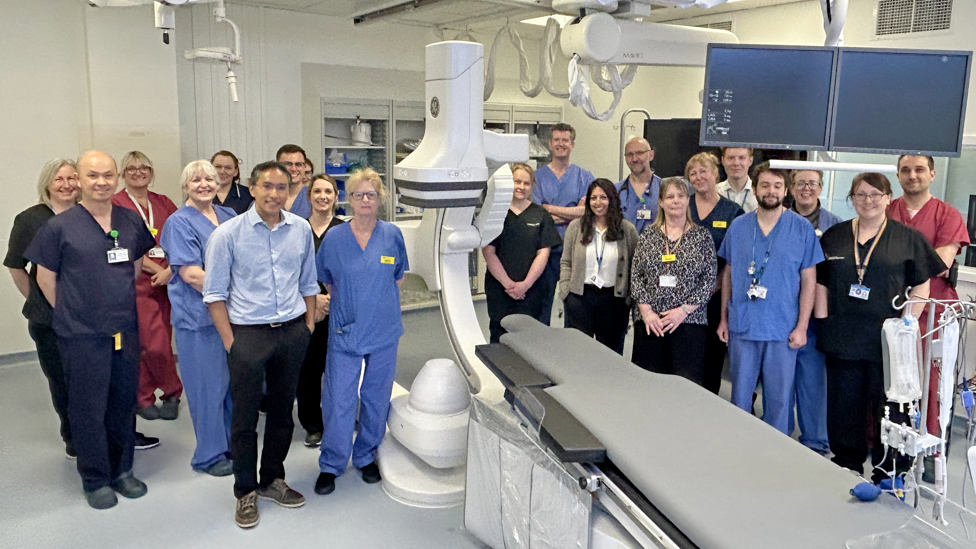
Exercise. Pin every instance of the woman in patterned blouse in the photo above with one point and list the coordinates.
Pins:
(672, 278)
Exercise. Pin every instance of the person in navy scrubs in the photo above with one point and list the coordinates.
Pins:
(230, 193)
(57, 188)
(362, 263)
(203, 361)
(88, 259)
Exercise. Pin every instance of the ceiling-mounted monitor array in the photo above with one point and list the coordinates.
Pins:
(840, 99)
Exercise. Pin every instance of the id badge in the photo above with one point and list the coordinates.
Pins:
(859, 292)
(720, 224)
(157, 253)
(668, 281)
(597, 281)
(756, 292)
(668, 258)
(118, 255)
(643, 214)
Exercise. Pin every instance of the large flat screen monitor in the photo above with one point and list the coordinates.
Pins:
(900, 101)
(767, 97)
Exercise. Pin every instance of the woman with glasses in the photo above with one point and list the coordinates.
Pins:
(157, 368)
(518, 257)
(362, 264)
(673, 278)
(715, 213)
(203, 360)
(594, 272)
(230, 193)
(870, 260)
(324, 195)
(57, 190)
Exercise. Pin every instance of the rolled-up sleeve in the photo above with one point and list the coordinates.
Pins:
(219, 261)
(307, 283)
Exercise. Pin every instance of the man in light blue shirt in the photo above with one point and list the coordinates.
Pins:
(639, 190)
(560, 188)
(260, 287)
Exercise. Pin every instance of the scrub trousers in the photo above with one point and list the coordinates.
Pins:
(157, 365)
(810, 394)
(715, 348)
(775, 363)
(272, 355)
(206, 379)
(855, 406)
(54, 370)
(340, 399)
(679, 353)
(550, 280)
(598, 312)
(500, 305)
(309, 393)
(102, 385)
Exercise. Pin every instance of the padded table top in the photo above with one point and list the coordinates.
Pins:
(723, 477)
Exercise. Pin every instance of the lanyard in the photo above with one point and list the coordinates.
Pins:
(667, 244)
(599, 251)
(149, 221)
(862, 268)
(757, 276)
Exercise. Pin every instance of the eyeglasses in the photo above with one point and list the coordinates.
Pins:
(635, 154)
(134, 169)
(360, 195)
(805, 184)
(874, 197)
(72, 179)
(298, 165)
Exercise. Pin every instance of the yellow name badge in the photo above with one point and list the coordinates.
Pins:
(386, 260)
(153, 231)
(719, 224)
(668, 258)
(118, 341)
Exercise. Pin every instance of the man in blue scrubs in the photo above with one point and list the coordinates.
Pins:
(638, 191)
(560, 188)
(87, 261)
(260, 288)
(767, 296)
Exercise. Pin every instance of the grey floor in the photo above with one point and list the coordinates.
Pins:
(42, 506)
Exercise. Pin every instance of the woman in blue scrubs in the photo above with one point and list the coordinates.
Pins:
(203, 361)
(362, 263)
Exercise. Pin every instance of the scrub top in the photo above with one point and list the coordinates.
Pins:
(364, 315)
(790, 247)
(162, 208)
(318, 243)
(941, 225)
(184, 239)
(238, 199)
(302, 206)
(565, 191)
(631, 203)
(94, 297)
(522, 237)
(26, 224)
(717, 221)
(820, 218)
(902, 258)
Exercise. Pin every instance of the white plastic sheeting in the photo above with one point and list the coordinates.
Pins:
(902, 336)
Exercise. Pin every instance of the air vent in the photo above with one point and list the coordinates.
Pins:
(721, 25)
(908, 16)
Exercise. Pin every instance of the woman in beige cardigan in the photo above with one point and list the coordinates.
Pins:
(594, 274)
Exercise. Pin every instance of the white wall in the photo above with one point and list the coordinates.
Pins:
(77, 78)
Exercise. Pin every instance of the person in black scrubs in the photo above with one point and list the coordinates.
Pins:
(518, 257)
(324, 195)
(870, 260)
(57, 187)
(715, 213)
(87, 261)
(230, 193)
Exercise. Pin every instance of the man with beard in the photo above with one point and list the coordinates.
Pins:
(767, 296)
(638, 191)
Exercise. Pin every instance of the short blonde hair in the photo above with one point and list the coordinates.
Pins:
(704, 159)
(131, 157)
(195, 167)
(666, 184)
(525, 168)
(335, 189)
(367, 175)
(47, 175)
